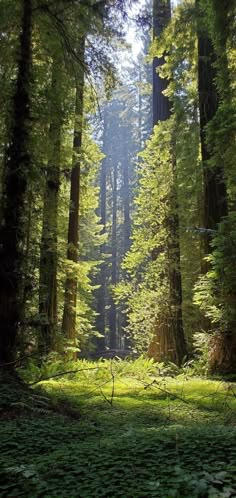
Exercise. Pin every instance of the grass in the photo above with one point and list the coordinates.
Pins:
(139, 435)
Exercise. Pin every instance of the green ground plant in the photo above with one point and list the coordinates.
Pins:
(125, 429)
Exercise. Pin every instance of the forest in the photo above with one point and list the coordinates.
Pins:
(118, 248)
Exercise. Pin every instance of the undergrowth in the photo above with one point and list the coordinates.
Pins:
(144, 431)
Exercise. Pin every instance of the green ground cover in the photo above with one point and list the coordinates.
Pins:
(131, 433)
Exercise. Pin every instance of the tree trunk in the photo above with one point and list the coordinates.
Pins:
(176, 320)
(223, 22)
(168, 341)
(214, 188)
(161, 103)
(12, 232)
(140, 124)
(101, 295)
(126, 194)
(212, 70)
(127, 221)
(71, 285)
(49, 250)
(27, 286)
(112, 311)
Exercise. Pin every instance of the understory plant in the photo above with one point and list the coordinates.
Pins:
(215, 294)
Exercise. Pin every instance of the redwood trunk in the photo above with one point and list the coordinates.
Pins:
(49, 250)
(222, 352)
(101, 295)
(176, 319)
(127, 221)
(214, 188)
(18, 160)
(112, 311)
(161, 103)
(168, 342)
(71, 285)
(126, 194)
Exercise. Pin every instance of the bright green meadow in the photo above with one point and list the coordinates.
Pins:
(119, 429)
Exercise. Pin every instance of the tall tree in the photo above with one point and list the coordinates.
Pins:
(112, 315)
(18, 161)
(169, 341)
(126, 190)
(101, 293)
(216, 291)
(161, 103)
(71, 285)
(49, 242)
(215, 195)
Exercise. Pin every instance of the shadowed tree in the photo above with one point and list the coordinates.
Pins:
(18, 162)
(214, 187)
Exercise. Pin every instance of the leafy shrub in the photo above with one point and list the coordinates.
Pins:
(199, 364)
(215, 292)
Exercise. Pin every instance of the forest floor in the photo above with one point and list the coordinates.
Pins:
(126, 431)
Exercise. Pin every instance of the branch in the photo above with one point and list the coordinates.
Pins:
(155, 384)
(65, 373)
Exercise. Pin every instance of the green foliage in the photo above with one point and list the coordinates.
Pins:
(146, 294)
(90, 241)
(148, 443)
(199, 364)
(54, 364)
(131, 471)
(215, 292)
(180, 52)
(145, 298)
(56, 43)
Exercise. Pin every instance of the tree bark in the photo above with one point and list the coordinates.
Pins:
(12, 231)
(168, 341)
(123, 321)
(27, 285)
(126, 194)
(214, 187)
(161, 103)
(49, 250)
(101, 295)
(140, 124)
(214, 88)
(176, 319)
(112, 318)
(71, 285)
